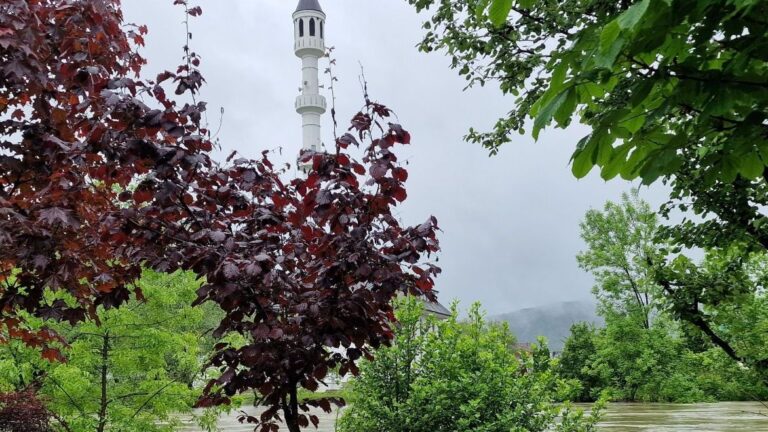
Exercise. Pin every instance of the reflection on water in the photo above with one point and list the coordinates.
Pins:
(716, 417)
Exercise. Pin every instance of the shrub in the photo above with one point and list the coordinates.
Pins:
(23, 412)
(451, 376)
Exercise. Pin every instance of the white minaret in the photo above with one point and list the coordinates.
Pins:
(309, 46)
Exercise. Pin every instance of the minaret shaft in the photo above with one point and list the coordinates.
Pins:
(310, 73)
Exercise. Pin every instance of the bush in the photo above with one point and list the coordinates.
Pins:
(23, 412)
(450, 376)
(656, 364)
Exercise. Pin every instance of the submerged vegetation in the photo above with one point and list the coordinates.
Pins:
(644, 352)
(451, 375)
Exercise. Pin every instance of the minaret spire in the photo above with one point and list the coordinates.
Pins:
(309, 46)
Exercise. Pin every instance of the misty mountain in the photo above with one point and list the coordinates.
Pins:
(552, 321)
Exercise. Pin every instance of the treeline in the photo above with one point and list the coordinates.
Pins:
(645, 352)
(660, 364)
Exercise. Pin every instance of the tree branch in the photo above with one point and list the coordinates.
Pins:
(71, 399)
(154, 395)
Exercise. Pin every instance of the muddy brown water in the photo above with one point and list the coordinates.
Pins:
(620, 417)
(714, 417)
(230, 423)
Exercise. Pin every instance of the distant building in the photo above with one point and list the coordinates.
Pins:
(436, 309)
(522, 347)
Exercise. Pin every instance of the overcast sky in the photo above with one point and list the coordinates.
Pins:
(510, 222)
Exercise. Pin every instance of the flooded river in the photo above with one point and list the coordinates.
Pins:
(717, 417)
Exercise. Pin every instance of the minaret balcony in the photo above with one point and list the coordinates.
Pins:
(311, 104)
(309, 46)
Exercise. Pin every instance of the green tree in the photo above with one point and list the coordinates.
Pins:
(632, 363)
(133, 370)
(670, 89)
(650, 347)
(639, 364)
(620, 241)
(720, 379)
(576, 359)
(136, 368)
(724, 298)
(467, 376)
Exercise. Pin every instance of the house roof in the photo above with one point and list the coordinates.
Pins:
(436, 309)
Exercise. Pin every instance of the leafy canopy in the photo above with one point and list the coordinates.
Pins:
(654, 346)
(658, 82)
(659, 364)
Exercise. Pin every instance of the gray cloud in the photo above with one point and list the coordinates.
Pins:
(510, 222)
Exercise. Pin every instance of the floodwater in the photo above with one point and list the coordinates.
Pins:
(621, 417)
(714, 417)
(231, 424)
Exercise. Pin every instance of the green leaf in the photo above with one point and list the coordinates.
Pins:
(610, 45)
(545, 116)
(652, 167)
(631, 168)
(641, 91)
(582, 164)
(612, 168)
(633, 123)
(629, 19)
(750, 166)
(482, 5)
(728, 170)
(583, 159)
(606, 59)
(608, 35)
(558, 75)
(499, 11)
(565, 111)
(604, 149)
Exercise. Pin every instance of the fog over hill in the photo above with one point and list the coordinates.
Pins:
(552, 321)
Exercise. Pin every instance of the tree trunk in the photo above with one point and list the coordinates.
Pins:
(642, 305)
(293, 424)
(291, 411)
(104, 375)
